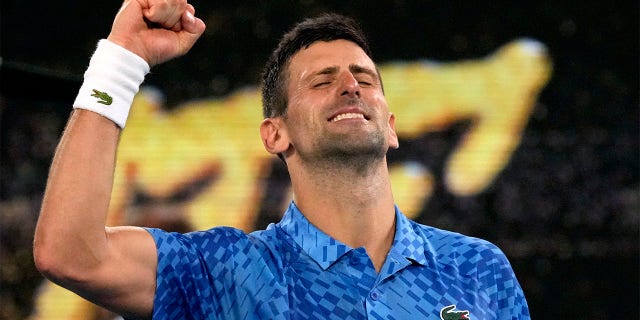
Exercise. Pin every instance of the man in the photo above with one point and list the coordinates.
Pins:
(343, 250)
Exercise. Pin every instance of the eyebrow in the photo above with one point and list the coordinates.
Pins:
(354, 68)
(328, 70)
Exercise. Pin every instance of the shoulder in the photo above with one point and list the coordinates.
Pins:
(465, 253)
(223, 242)
(218, 237)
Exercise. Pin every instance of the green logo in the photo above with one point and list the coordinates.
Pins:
(449, 313)
(103, 97)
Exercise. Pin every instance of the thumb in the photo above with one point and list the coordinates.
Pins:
(192, 29)
(190, 23)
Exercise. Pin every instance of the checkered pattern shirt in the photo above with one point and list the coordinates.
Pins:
(292, 270)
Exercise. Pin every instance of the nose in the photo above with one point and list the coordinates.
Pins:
(349, 85)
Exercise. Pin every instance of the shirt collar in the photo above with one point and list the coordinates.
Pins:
(326, 250)
(407, 243)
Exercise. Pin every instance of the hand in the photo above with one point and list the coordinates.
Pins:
(156, 30)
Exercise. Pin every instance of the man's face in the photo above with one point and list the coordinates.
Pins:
(336, 104)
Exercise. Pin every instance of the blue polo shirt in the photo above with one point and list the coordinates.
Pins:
(292, 270)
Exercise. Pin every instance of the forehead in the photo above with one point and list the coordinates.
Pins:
(321, 54)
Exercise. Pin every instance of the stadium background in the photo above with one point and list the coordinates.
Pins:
(564, 208)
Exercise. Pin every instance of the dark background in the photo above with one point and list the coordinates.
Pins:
(565, 210)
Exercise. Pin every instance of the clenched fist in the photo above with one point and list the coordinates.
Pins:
(156, 30)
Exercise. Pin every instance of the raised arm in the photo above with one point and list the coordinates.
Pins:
(112, 266)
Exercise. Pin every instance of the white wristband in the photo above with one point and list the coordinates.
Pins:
(111, 81)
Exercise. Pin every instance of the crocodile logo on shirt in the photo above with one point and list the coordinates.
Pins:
(449, 313)
(103, 97)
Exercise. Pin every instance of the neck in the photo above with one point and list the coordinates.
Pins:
(352, 205)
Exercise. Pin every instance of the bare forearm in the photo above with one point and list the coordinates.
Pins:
(114, 267)
(71, 227)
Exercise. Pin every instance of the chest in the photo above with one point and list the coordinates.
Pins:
(350, 288)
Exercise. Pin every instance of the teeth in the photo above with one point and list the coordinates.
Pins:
(347, 116)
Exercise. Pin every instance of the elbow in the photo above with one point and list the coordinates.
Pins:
(64, 265)
(51, 263)
(46, 262)
(50, 254)
(45, 255)
(57, 270)
(64, 255)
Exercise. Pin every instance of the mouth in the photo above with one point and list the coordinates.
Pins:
(350, 115)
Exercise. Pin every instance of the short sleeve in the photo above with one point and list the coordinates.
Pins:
(191, 269)
(221, 273)
(509, 297)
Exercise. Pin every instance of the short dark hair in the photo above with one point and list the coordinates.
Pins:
(326, 27)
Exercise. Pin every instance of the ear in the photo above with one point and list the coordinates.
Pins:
(274, 135)
(393, 137)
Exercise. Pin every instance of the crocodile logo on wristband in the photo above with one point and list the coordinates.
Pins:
(103, 97)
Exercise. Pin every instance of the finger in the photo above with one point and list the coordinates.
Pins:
(177, 27)
(167, 14)
(191, 8)
(190, 33)
(191, 23)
